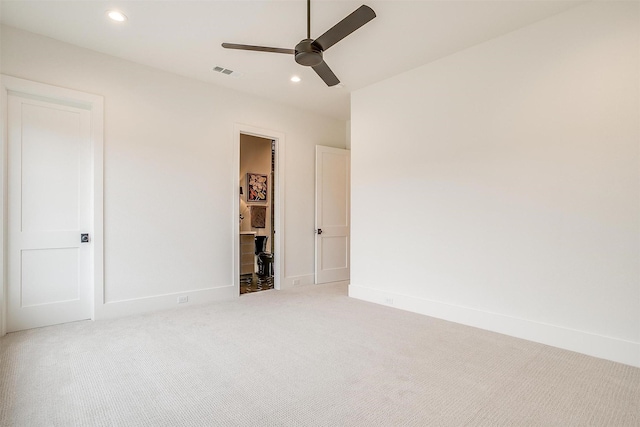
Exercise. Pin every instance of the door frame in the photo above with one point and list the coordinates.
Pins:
(278, 202)
(95, 105)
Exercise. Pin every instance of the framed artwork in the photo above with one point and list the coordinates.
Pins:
(256, 188)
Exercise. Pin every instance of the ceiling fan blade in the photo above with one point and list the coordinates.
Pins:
(348, 25)
(258, 48)
(326, 74)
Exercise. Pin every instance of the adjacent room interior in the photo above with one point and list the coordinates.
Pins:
(257, 170)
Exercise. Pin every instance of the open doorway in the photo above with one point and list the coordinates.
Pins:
(257, 213)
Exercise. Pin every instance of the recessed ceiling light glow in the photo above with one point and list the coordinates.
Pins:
(295, 79)
(117, 15)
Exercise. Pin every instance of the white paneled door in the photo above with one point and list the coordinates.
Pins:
(49, 211)
(332, 214)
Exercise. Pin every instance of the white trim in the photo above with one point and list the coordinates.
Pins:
(93, 103)
(135, 306)
(278, 203)
(604, 347)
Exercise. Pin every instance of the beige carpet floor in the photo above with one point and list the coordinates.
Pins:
(306, 357)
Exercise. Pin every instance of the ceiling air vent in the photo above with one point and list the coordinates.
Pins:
(226, 71)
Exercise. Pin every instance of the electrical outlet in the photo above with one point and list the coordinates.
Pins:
(296, 282)
(388, 301)
(183, 299)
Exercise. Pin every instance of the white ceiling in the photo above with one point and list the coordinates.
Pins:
(184, 37)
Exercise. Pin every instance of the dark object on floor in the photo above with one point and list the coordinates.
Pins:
(265, 259)
(265, 264)
(261, 244)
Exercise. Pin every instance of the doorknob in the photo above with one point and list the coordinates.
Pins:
(319, 231)
(84, 238)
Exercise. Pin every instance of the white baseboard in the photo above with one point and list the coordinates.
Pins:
(122, 308)
(114, 309)
(609, 348)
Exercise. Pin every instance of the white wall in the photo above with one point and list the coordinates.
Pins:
(500, 185)
(169, 171)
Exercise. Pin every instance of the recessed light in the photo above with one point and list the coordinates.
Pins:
(295, 79)
(117, 15)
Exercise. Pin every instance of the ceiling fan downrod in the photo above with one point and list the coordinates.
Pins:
(308, 19)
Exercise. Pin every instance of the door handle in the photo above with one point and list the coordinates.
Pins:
(84, 238)
(319, 231)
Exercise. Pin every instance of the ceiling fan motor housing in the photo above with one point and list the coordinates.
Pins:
(308, 54)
